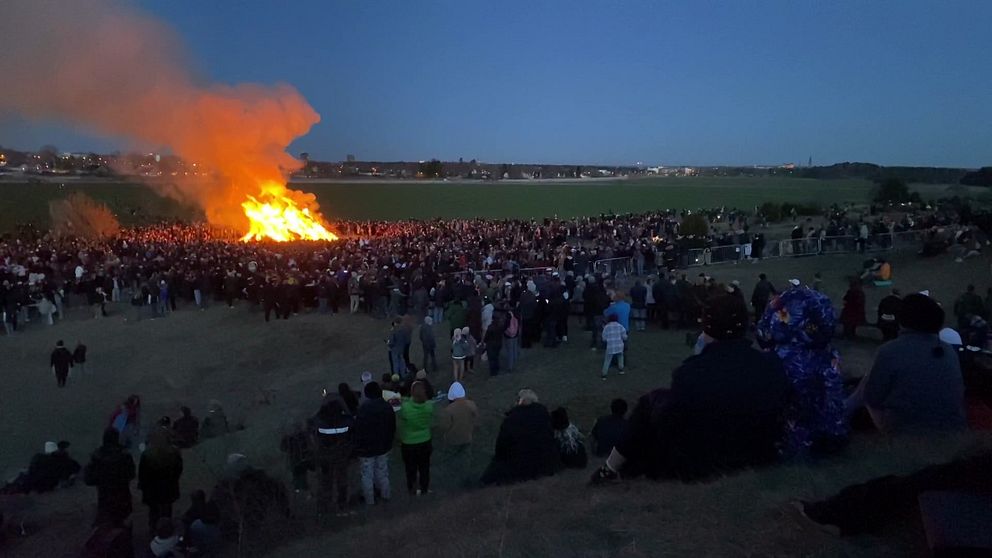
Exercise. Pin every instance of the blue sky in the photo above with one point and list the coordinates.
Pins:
(733, 82)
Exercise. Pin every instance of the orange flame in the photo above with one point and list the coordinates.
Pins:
(278, 217)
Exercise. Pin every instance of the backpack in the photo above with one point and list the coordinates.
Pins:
(513, 328)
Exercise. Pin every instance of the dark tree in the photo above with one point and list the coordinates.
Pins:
(981, 177)
(431, 169)
(892, 190)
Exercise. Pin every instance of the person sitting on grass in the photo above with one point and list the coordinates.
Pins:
(798, 326)
(915, 384)
(525, 445)
(571, 448)
(723, 412)
(608, 429)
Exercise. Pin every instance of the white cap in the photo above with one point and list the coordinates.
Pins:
(51, 447)
(951, 337)
(456, 391)
(795, 282)
(925, 292)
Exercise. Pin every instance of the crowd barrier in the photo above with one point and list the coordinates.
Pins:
(805, 247)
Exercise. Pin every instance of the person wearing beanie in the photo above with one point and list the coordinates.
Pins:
(375, 428)
(723, 411)
(456, 424)
(915, 384)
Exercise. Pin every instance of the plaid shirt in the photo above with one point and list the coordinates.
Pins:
(614, 334)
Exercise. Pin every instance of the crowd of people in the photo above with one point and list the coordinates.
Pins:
(763, 386)
(387, 268)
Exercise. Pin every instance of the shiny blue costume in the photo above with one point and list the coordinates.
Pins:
(799, 325)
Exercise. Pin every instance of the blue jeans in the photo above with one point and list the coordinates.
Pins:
(608, 360)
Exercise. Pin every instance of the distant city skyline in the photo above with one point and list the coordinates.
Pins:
(767, 83)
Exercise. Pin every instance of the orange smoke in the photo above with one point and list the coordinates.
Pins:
(113, 70)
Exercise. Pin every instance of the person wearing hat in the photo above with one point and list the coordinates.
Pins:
(723, 411)
(61, 362)
(456, 424)
(915, 384)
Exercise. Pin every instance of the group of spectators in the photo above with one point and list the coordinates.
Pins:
(729, 406)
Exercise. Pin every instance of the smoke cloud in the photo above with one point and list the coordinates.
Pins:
(111, 69)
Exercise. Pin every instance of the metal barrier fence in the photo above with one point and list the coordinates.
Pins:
(806, 247)
(614, 266)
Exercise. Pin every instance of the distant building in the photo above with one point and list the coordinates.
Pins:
(349, 158)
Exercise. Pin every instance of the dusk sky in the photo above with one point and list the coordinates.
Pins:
(905, 82)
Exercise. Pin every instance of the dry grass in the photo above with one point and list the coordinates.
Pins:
(232, 355)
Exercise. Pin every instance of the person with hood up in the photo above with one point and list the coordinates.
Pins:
(159, 470)
(111, 470)
(798, 326)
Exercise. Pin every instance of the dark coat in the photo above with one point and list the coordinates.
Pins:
(375, 428)
(158, 475)
(332, 437)
(724, 411)
(61, 360)
(111, 470)
(525, 447)
(639, 296)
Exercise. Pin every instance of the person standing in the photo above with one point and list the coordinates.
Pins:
(638, 305)
(614, 336)
(853, 314)
(111, 470)
(457, 424)
(159, 470)
(415, 417)
(79, 356)
(375, 428)
(429, 344)
(763, 292)
(332, 448)
(61, 362)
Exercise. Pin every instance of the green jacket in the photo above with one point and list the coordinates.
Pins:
(415, 421)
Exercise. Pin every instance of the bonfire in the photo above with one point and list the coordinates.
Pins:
(274, 215)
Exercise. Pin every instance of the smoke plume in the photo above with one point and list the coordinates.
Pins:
(111, 69)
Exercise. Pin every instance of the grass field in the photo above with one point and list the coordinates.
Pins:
(136, 203)
(191, 357)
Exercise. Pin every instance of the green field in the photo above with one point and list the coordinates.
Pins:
(21, 202)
